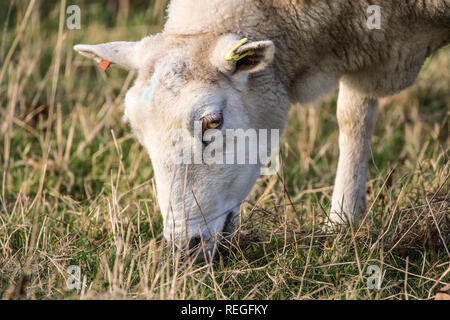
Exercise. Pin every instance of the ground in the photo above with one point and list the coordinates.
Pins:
(77, 189)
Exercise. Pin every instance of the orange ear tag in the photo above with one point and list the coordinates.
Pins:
(104, 64)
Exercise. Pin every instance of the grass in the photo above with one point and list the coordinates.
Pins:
(77, 189)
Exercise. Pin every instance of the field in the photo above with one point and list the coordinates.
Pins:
(77, 189)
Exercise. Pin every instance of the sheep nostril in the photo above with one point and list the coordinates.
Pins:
(194, 242)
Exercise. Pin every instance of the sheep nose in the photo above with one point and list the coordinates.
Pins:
(194, 242)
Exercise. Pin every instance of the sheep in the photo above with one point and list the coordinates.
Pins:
(240, 65)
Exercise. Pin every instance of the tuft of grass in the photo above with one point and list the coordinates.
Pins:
(77, 189)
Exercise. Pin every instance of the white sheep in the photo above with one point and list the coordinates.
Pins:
(201, 73)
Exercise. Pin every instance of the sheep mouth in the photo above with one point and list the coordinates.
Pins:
(202, 251)
(230, 223)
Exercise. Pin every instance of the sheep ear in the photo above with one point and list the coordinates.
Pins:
(254, 56)
(233, 56)
(121, 53)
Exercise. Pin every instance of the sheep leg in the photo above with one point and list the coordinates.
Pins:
(356, 114)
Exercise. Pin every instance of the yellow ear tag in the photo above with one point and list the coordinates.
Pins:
(231, 55)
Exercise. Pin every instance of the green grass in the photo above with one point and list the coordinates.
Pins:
(77, 189)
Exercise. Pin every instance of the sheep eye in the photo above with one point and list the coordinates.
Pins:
(212, 121)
